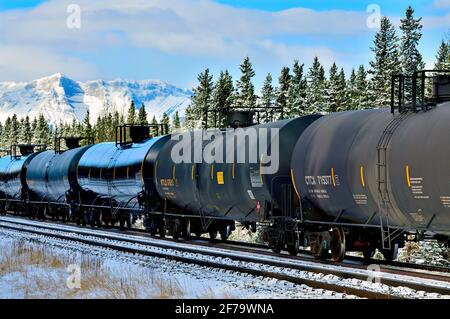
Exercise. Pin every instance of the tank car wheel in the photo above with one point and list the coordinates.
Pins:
(176, 230)
(162, 230)
(198, 235)
(121, 223)
(213, 234)
(277, 247)
(337, 244)
(368, 253)
(293, 249)
(129, 220)
(225, 232)
(187, 229)
(390, 254)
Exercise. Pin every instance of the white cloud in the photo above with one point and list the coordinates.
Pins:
(187, 27)
(441, 4)
(20, 63)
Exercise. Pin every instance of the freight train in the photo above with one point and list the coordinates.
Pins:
(349, 181)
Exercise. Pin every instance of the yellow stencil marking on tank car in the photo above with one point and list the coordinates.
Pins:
(361, 174)
(220, 180)
(293, 183)
(174, 173)
(260, 168)
(232, 170)
(408, 179)
(333, 178)
(212, 171)
(193, 171)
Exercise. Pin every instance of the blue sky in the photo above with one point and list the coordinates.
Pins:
(173, 40)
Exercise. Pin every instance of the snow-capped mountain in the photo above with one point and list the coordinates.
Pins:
(61, 99)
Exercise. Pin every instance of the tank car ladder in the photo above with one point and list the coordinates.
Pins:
(385, 202)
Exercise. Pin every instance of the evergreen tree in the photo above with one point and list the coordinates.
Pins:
(385, 64)
(246, 97)
(142, 115)
(14, 130)
(267, 99)
(316, 87)
(332, 89)
(25, 131)
(6, 133)
(342, 101)
(201, 100)
(176, 121)
(411, 59)
(284, 83)
(166, 121)
(443, 57)
(42, 134)
(131, 118)
(352, 93)
(154, 122)
(189, 118)
(363, 98)
(222, 97)
(87, 128)
(297, 91)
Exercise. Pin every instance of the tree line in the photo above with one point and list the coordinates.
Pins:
(299, 91)
(39, 131)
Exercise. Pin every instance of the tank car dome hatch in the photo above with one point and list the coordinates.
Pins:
(441, 87)
(237, 118)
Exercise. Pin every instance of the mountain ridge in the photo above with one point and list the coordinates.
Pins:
(62, 99)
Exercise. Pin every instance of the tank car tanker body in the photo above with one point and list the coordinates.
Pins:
(225, 190)
(13, 184)
(386, 173)
(116, 174)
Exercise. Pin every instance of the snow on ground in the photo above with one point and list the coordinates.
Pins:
(260, 262)
(34, 266)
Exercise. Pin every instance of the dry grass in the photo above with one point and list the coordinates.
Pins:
(40, 272)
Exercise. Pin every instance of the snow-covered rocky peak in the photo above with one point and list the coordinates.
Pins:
(62, 99)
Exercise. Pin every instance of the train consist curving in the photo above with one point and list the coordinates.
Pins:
(349, 181)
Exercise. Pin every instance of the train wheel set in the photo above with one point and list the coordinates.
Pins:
(349, 181)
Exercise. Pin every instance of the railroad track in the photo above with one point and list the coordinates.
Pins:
(246, 261)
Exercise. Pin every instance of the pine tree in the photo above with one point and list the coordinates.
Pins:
(342, 101)
(332, 89)
(363, 94)
(142, 115)
(246, 98)
(443, 57)
(352, 93)
(14, 130)
(201, 100)
(189, 118)
(297, 91)
(6, 133)
(154, 122)
(222, 97)
(411, 59)
(316, 87)
(176, 121)
(284, 83)
(166, 121)
(267, 99)
(25, 131)
(87, 128)
(131, 118)
(42, 134)
(385, 64)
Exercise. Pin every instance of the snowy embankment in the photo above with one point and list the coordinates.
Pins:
(227, 257)
(35, 266)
